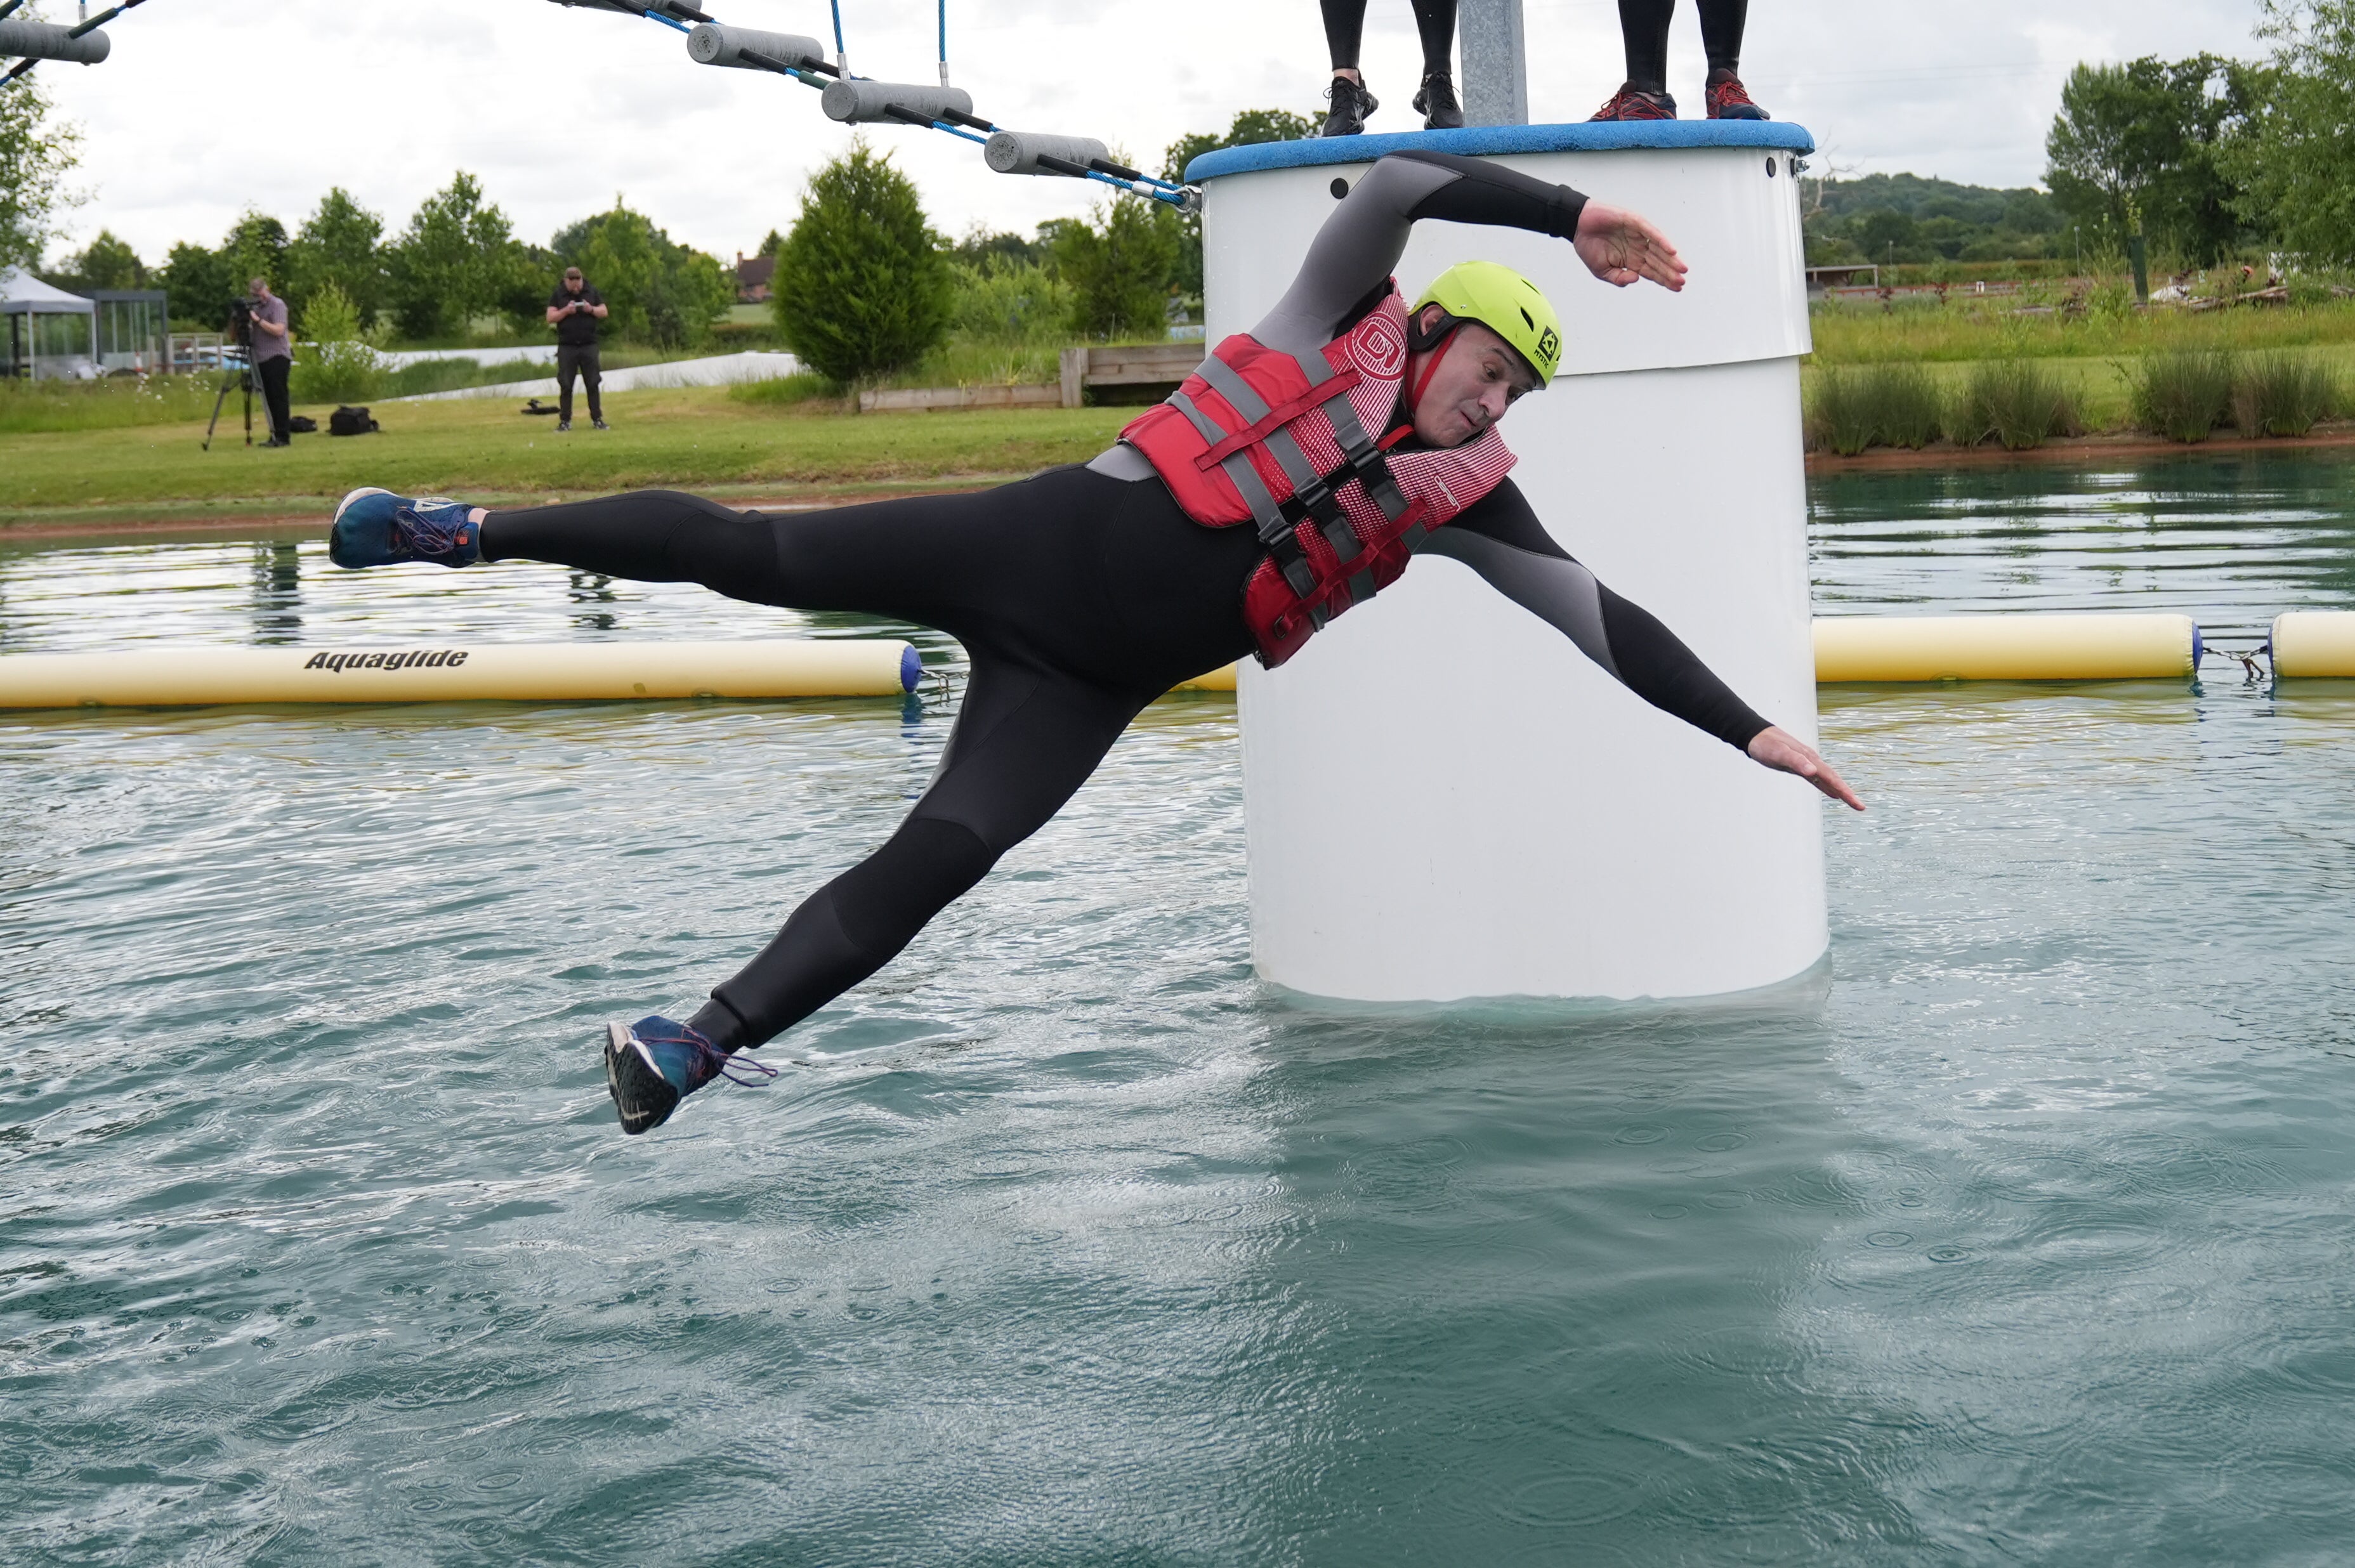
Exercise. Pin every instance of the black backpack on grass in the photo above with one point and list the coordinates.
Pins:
(349, 420)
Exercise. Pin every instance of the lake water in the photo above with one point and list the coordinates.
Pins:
(2029, 1238)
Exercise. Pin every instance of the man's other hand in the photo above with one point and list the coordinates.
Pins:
(1620, 247)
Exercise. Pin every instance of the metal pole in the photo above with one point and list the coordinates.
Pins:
(1495, 63)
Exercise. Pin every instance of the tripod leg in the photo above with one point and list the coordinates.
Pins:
(218, 400)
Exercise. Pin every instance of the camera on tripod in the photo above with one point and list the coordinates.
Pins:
(241, 322)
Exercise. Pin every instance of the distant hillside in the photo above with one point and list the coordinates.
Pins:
(1906, 219)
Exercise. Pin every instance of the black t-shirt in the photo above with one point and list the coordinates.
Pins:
(580, 330)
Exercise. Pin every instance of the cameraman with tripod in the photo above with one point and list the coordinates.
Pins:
(271, 352)
(574, 310)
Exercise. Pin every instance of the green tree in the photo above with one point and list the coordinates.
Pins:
(106, 263)
(199, 282)
(656, 291)
(35, 156)
(1119, 269)
(2141, 141)
(771, 245)
(2295, 158)
(1249, 127)
(454, 262)
(256, 248)
(862, 284)
(339, 245)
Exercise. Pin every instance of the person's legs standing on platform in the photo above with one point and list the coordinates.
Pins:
(1643, 31)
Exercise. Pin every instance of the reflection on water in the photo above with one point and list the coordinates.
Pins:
(2230, 540)
(1060, 1242)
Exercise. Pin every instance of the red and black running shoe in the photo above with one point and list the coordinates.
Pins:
(1729, 99)
(1632, 103)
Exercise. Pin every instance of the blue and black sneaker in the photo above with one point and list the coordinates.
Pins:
(377, 528)
(652, 1065)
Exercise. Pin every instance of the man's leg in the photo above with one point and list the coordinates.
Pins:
(1024, 742)
(972, 565)
(566, 365)
(273, 372)
(590, 374)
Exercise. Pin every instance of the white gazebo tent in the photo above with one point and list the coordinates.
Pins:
(46, 333)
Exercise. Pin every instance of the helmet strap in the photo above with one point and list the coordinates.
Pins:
(1432, 345)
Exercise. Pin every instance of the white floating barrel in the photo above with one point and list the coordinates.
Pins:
(48, 41)
(460, 672)
(1018, 151)
(711, 44)
(1443, 797)
(2035, 646)
(2314, 642)
(871, 102)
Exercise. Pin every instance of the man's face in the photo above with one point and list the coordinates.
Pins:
(575, 286)
(1478, 378)
(258, 289)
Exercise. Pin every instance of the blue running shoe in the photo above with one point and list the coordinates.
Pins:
(377, 528)
(652, 1065)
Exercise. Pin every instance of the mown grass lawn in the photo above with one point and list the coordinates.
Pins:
(696, 438)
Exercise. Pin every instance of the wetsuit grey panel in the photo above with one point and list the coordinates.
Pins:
(1555, 589)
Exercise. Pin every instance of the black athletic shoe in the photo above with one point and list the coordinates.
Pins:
(1351, 104)
(654, 1064)
(1436, 103)
(599, 425)
(563, 427)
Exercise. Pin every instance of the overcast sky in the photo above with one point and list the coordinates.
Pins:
(209, 107)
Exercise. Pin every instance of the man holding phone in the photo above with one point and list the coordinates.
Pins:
(574, 310)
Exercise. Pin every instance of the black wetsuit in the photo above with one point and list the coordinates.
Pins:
(1643, 33)
(1080, 595)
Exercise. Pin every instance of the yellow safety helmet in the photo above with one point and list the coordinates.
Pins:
(1504, 302)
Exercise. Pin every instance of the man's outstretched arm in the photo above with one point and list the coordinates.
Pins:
(1500, 538)
(1359, 245)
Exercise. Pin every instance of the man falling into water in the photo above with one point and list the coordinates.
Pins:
(1295, 474)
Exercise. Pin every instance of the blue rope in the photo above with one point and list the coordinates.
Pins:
(944, 34)
(669, 21)
(838, 50)
(959, 131)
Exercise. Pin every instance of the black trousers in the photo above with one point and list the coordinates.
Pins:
(1079, 600)
(272, 373)
(576, 359)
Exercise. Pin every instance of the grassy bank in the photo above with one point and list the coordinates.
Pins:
(1933, 400)
(691, 437)
(1965, 329)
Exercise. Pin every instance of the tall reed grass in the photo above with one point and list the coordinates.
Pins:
(1884, 405)
(2182, 395)
(2017, 403)
(2283, 394)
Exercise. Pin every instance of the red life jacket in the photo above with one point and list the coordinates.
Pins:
(1259, 436)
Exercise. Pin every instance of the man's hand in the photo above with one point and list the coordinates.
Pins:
(1619, 248)
(1786, 753)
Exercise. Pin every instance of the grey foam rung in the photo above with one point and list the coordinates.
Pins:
(47, 42)
(866, 102)
(1018, 151)
(713, 44)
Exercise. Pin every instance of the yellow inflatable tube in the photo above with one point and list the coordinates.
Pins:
(2314, 642)
(459, 672)
(2006, 648)
(1219, 680)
